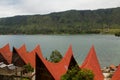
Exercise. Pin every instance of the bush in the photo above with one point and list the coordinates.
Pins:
(28, 68)
(78, 74)
(55, 56)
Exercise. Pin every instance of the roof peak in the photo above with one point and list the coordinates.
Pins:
(91, 62)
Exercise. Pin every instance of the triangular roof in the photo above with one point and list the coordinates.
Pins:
(60, 68)
(27, 57)
(116, 75)
(42, 73)
(2, 59)
(6, 53)
(91, 62)
(22, 53)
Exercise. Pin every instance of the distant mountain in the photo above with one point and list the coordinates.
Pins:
(70, 22)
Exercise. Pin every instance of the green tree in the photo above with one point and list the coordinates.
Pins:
(28, 68)
(55, 56)
(76, 73)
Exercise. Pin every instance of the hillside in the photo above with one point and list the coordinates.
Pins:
(67, 22)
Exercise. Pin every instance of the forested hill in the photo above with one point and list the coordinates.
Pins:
(70, 22)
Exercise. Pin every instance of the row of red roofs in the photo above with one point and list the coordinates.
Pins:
(57, 69)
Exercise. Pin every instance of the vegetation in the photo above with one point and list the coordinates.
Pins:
(78, 74)
(28, 68)
(55, 56)
(67, 22)
(117, 34)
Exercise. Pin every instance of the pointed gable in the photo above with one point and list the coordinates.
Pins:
(42, 73)
(91, 62)
(6, 53)
(116, 75)
(19, 57)
(57, 69)
(25, 57)
(2, 59)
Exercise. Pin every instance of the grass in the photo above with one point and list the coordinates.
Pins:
(109, 31)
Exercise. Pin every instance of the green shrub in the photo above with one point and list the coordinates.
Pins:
(78, 74)
(55, 56)
(28, 68)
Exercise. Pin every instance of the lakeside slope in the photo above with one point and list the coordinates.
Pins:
(67, 22)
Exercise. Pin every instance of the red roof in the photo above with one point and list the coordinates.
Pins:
(116, 75)
(57, 69)
(91, 62)
(27, 57)
(60, 68)
(6, 53)
(31, 57)
(22, 52)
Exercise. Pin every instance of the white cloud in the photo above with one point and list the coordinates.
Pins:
(6, 11)
(24, 7)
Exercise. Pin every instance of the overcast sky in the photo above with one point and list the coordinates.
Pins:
(29, 7)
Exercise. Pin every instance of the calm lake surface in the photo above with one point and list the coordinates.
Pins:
(107, 46)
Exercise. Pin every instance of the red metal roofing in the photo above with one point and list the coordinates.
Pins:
(60, 68)
(31, 57)
(22, 52)
(116, 75)
(28, 57)
(6, 53)
(91, 62)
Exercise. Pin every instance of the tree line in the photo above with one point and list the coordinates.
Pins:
(66, 22)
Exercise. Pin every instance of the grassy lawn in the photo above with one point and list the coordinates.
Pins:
(109, 31)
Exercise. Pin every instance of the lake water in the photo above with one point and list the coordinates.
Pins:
(107, 46)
